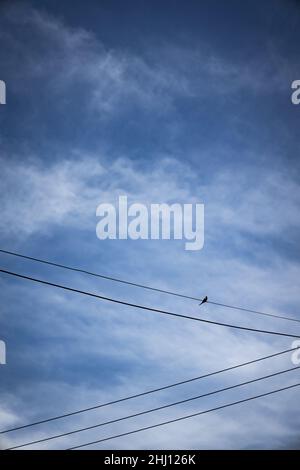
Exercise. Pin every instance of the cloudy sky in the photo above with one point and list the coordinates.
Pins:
(163, 102)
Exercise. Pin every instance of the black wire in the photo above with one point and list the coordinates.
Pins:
(210, 374)
(102, 276)
(164, 423)
(142, 286)
(253, 311)
(135, 415)
(150, 309)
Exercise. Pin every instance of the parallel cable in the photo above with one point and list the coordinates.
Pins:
(281, 317)
(143, 286)
(148, 392)
(152, 410)
(164, 423)
(150, 309)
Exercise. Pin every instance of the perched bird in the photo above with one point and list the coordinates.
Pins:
(204, 300)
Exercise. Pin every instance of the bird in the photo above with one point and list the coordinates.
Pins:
(204, 300)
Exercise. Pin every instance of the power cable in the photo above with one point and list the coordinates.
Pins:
(164, 423)
(148, 392)
(143, 286)
(152, 410)
(150, 309)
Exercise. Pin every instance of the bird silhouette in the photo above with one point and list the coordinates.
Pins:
(204, 300)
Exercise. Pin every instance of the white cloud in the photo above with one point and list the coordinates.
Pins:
(40, 198)
(68, 61)
(37, 196)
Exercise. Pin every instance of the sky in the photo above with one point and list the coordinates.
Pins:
(164, 102)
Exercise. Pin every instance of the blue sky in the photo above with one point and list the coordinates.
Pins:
(173, 103)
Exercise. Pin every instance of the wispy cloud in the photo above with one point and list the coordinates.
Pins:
(66, 351)
(74, 62)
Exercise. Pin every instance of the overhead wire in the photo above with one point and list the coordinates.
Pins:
(151, 410)
(181, 418)
(149, 392)
(150, 309)
(143, 286)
